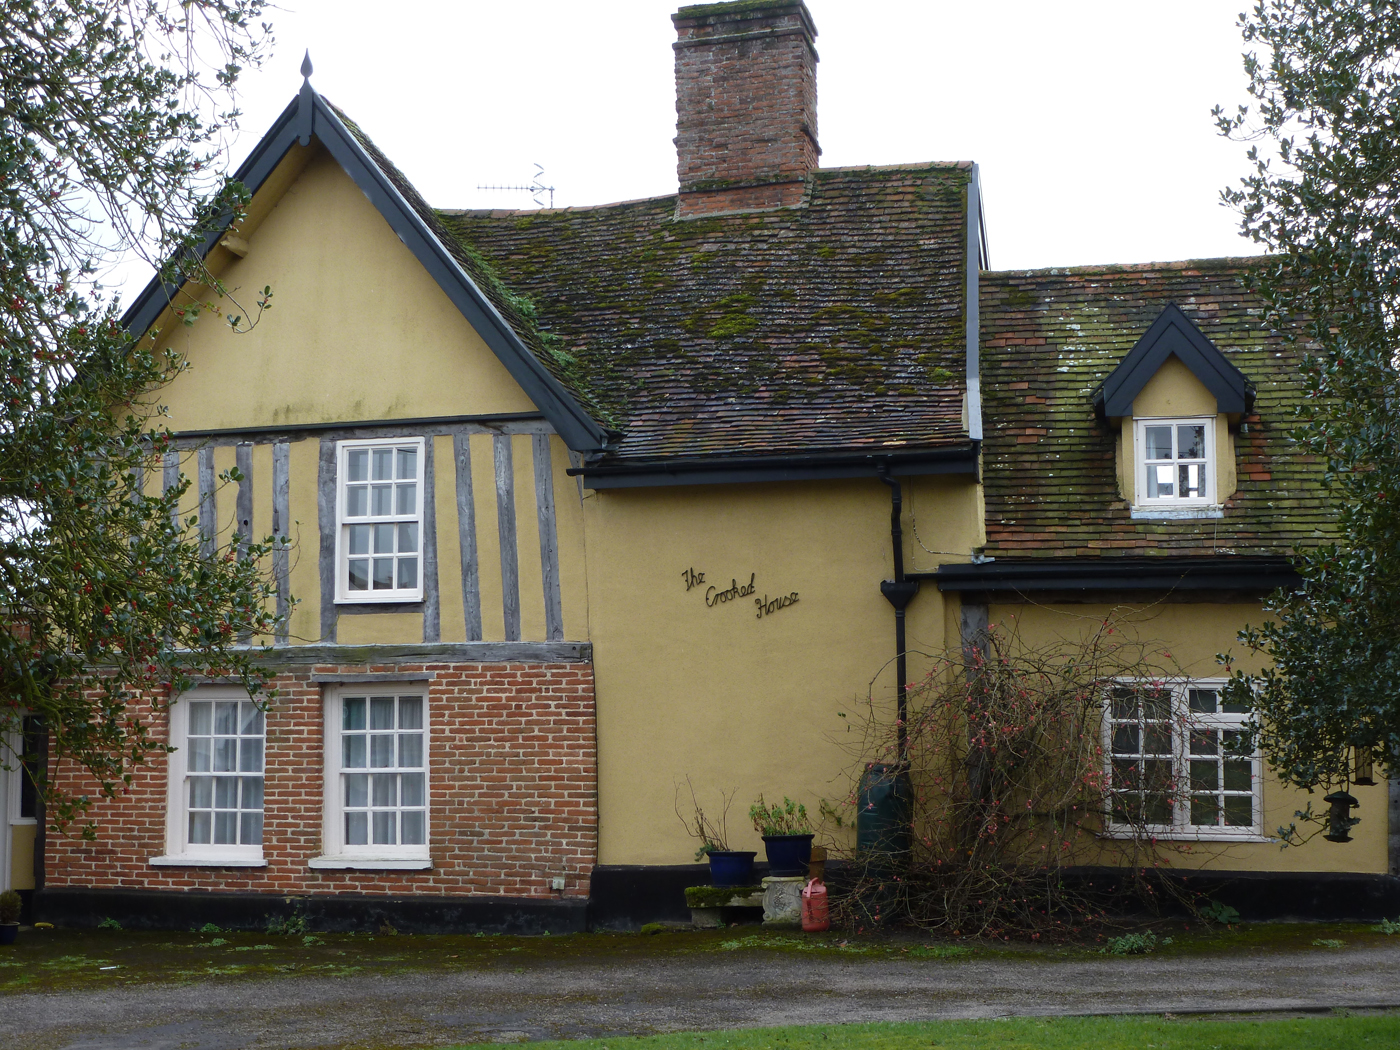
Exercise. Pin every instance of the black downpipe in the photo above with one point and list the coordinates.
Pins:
(899, 592)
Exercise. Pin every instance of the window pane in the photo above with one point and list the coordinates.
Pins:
(356, 501)
(1159, 482)
(357, 789)
(357, 464)
(251, 830)
(413, 830)
(359, 574)
(381, 712)
(201, 719)
(384, 539)
(1205, 776)
(1192, 479)
(410, 712)
(1125, 703)
(356, 829)
(1205, 810)
(1158, 442)
(226, 718)
(199, 759)
(1202, 701)
(225, 793)
(408, 499)
(408, 573)
(384, 828)
(383, 574)
(382, 502)
(1234, 708)
(410, 750)
(381, 751)
(1126, 774)
(251, 793)
(225, 828)
(201, 792)
(1157, 739)
(1125, 740)
(1156, 774)
(408, 463)
(1234, 742)
(353, 753)
(201, 824)
(225, 754)
(1156, 705)
(1239, 811)
(251, 720)
(383, 464)
(1238, 776)
(1156, 809)
(1203, 742)
(250, 755)
(408, 537)
(353, 712)
(385, 790)
(1191, 441)
(359, 539)
(411, 784)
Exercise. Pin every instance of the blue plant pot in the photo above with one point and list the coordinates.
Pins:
(731, 868)
(788, 855)
(8, 932)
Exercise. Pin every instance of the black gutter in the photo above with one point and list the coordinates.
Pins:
(273, 429)
(727, 470)
(899, 592)
(1204, 574)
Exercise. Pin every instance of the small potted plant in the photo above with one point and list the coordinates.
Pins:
(787, 835)
(728, 867)
(10, 905)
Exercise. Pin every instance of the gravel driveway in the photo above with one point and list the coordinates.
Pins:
(595, 997)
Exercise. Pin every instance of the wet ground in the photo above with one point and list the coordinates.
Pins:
(209, 991)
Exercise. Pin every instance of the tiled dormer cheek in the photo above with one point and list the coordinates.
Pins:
(1176, 452)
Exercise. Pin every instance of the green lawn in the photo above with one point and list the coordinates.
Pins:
(1330, 1032)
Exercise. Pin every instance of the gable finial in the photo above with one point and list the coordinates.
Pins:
(306, 66)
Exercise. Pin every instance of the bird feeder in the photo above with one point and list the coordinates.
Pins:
(1339, 817)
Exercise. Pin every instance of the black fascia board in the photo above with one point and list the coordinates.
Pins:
(728, 470)
(1008, 576)
(1173, 333)
(310, 115)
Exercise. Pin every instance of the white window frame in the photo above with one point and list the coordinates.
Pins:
(179, 851)
(343, 594)
(1210, 467)
(1183, 721)
(335, 852)
(14, 776)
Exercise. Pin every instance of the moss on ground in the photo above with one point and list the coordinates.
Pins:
(62, 959)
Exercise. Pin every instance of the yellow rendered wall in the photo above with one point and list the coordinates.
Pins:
(1175, 391)
(358, 330)
(736, 702)
(22, 856)
(1193, 633)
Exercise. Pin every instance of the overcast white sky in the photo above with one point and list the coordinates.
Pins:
(1090, 118)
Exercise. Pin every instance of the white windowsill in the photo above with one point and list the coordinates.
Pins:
(380, 599)
(195, 861)
(1177, 513)
(371, 863)
(1185, 835)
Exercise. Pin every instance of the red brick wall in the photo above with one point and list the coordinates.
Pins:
(746, 98)
(513, 794)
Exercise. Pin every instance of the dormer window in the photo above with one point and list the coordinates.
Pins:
(1176, 462)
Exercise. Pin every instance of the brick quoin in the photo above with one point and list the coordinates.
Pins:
(746, 106)
(513, 794)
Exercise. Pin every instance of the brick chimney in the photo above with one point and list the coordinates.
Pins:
(746, 104)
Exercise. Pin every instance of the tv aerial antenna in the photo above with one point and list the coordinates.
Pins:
(537, 189)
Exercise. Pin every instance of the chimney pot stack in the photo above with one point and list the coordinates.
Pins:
(746, 104)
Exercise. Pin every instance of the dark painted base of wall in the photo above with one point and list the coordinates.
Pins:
(627, 896)
(166, 910)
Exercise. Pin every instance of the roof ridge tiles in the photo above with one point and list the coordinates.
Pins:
(1223, 262)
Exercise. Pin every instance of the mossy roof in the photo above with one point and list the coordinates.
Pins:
(1049, 337)
(834, 326)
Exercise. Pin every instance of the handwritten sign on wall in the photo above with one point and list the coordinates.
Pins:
(716, 595)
